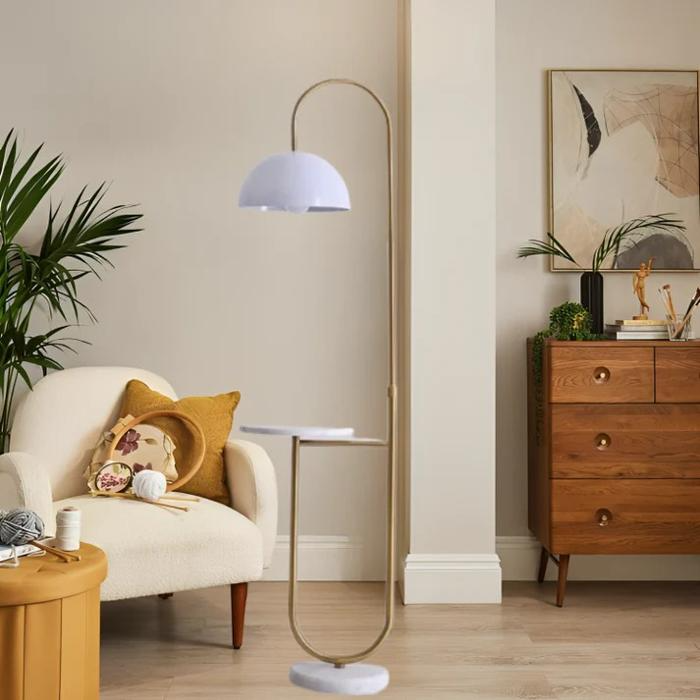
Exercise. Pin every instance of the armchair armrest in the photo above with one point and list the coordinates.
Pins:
(24, 483)
(253, 488)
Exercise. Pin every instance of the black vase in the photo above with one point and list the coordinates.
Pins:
(592, 298)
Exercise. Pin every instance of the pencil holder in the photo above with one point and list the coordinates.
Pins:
(678, 330)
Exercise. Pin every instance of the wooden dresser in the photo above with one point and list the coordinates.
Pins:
(614, 450)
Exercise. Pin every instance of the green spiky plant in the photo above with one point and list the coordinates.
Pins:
(611, 242)
(568, 321)
(45, 281)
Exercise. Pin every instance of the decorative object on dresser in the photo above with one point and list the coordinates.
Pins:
(613, 450)
(639, 281)
(152, 550)
(678, 326)
(591, 278)
(631, 329)
(568, 321)
(624, 141)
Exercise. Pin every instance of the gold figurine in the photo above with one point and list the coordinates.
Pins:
(638, 281)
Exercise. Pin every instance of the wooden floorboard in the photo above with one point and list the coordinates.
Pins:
(611, 640)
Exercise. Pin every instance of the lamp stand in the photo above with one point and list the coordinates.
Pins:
(343, 673)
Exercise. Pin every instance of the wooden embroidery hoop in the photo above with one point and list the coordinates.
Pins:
(165, 413)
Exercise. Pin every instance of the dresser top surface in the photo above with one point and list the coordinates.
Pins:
(622, 343)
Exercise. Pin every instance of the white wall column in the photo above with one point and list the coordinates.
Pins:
(450, 467)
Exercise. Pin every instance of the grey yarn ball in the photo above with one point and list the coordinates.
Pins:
(20, 526)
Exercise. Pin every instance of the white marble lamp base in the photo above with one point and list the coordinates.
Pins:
(354, 679)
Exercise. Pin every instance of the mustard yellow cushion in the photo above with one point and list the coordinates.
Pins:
(214, 414)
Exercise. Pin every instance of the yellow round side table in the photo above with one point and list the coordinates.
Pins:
(50, 627)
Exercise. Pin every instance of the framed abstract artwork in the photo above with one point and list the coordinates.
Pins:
(623, 144)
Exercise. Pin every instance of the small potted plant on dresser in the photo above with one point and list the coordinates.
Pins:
(613, 444)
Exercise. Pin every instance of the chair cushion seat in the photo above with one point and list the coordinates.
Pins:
(157, 550)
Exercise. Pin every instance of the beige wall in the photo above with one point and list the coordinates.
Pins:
(533, 35)
(173, 101)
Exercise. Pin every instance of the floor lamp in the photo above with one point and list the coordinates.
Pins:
(302, 182)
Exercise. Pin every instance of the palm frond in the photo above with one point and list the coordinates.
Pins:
(614, 237)
(73, 248)
(549, 247)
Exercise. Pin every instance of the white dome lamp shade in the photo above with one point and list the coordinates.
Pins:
(296, 182)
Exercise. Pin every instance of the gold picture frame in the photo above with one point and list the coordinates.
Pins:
(688, 203)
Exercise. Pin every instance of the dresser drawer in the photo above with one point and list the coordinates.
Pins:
(678, 374)
(625, 440)
(641, 516)
(601, 375)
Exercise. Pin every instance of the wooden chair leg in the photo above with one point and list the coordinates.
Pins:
(544, 558)
(239, 594)
(561, 581)
(165, 596)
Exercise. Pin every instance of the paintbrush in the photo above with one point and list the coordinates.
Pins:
(667, 289)
(693, 302)
(664, 294)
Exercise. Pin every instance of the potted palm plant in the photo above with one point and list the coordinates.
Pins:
(591, 278)
(34, 281)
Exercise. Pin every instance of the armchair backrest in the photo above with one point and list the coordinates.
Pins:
(61, 420)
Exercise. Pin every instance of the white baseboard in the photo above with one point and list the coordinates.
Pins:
(451, 578)
(465, 577)
(324, 558)
(520, 557)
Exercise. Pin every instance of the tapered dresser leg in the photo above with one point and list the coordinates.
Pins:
(561, 581)
(544, 558)
(239, 594)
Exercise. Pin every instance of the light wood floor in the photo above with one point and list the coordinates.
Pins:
(612, 640)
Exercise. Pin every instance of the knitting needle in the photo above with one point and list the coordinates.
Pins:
(66, 556)
(136, 498)
(178, 497)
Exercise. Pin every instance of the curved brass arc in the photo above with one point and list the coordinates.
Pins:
(337, 81)
(392, 403)
(342, 659)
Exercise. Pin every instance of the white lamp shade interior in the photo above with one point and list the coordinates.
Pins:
(296, 182)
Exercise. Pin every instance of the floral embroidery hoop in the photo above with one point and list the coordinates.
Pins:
(196, 463)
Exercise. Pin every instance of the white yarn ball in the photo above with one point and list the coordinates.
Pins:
(149, 485)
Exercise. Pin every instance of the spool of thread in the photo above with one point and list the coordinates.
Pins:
(149, 485)
(68, 529)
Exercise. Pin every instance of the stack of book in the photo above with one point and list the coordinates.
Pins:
(648, 329)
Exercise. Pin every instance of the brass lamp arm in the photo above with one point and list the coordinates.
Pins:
(392, 396)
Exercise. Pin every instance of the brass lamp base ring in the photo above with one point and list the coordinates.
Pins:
(355, 679)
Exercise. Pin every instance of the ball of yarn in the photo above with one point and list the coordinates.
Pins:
(20, 526)
(149, 485)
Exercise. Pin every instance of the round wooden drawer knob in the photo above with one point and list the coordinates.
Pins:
(603, 441)
(603, 516)
(601, 375)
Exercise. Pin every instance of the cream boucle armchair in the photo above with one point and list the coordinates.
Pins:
(150, 550)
